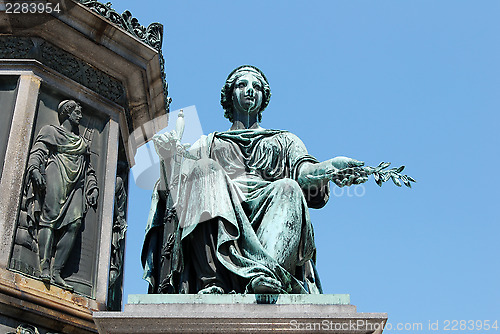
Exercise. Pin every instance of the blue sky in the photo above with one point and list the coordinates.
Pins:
(410, 82)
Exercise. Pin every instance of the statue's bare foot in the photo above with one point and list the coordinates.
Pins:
(211, 290)
(266, 285)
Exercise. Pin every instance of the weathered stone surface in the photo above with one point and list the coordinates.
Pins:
(28, 300)
(278, 299)
(8, 93)
(16, 153)
(78, 55)
(238, 314)
(116, 56)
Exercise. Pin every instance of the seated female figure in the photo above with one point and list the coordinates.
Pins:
(242, 208)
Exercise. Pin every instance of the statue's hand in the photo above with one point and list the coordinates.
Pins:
(165, 144)
(345, 162)
(347, 171)
(113, 275)
(38, 179)
(349, 176)
(342, 171)
(165, 138)
(92, 198)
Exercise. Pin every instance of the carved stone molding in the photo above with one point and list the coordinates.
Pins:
(151, 35)
(13, 47)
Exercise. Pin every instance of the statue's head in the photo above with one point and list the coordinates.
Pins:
(70, 109)
(227, 99)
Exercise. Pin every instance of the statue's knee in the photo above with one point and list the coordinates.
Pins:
(288, 187)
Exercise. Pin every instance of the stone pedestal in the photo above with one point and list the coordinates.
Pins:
(88, 53)
(149, 314)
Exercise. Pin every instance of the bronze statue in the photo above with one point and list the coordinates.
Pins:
(233, 209)
(65, 186)
(118, 238)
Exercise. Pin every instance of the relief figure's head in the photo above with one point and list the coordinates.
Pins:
(70, 110)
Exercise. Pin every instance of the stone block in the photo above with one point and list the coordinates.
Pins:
(236, 313)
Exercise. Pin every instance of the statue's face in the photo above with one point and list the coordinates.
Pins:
(75, 116)
(247, 94)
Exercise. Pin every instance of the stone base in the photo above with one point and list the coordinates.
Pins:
(25, 300)
(239, 314)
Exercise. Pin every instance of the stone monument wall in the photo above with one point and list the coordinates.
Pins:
(88, 81)
(8, 92)
(81, 268)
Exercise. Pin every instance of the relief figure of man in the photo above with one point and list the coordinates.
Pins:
(65, 186)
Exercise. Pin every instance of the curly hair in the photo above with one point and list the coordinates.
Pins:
(226, 96)
(66, 107)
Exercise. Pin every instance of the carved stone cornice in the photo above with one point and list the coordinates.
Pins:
(151, 35)
(15, 47)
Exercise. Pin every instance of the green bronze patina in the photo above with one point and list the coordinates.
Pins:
(63, 186)
(118, 238)
(233, 208)
(279, 299)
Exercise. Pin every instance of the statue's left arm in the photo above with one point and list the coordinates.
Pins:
(314, 176)
(92, 189)
(316, 194)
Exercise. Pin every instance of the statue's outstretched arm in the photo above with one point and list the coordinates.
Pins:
(342, 171)
(345, 171)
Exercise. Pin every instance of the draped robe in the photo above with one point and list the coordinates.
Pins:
(244, 183)
(64, 158)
